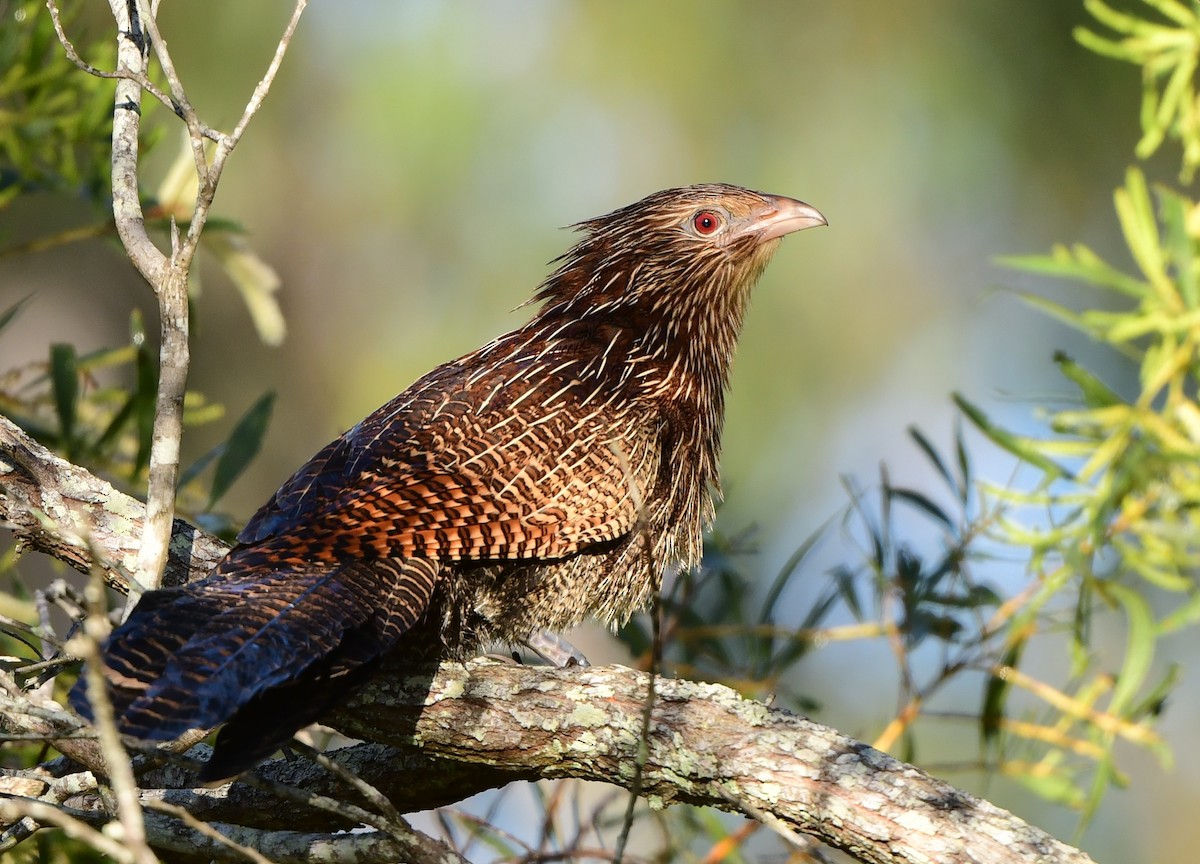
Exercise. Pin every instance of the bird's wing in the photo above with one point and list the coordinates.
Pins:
(445, 473)
(313, 485)
(191, 657)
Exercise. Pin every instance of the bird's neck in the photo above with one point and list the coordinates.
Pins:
(679, 356)
(670, 362)
(696, 356)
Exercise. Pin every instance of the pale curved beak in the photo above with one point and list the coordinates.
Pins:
(782, 216)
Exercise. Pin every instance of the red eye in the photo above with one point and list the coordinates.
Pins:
(706, 222)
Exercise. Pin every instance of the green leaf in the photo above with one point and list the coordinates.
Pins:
(977, 596)
(1139, 644)
(243, 445)
(1057, 788)
(1109, 17)
(922, 623)
(1096, 394)
(1057, 311)
(847, 590)
(874, 531)
(1136, 215)
(1185, 615)
(1105, 774)
(106, 358)
(1079, 263)
(1020, 447)
(964, 462)
(1152, 704)
(1181, 246)
(921, 502)
(792, 650)
(11, 312)
(1177, 12)
(64, 377)
(187, 475)
(197, 411)
(1099, 45)
(932, 455)
(784, 578)
(256, 280)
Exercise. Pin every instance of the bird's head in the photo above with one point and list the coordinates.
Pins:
(693, 250)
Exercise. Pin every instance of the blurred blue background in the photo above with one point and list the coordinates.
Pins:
(411, 168)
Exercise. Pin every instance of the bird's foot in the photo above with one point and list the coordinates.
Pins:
(555, 650)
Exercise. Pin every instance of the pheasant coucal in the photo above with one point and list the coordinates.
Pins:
(553, 474)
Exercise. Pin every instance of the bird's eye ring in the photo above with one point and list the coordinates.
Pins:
(706, 222)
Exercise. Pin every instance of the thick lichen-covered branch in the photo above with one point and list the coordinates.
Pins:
(706, 746)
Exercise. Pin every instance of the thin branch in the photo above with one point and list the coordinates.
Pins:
(52, 241)
(293, 847)
(182, 107)
(392, 820)
(170, 286)
(120, 774)
(227, 143)
(69, 46)
(260, 91)
(351, 813)
(411, 780)
(141, 79)
(208, 831)
(16, 809)
(803, 844)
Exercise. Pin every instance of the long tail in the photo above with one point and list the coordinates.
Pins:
(265, 652)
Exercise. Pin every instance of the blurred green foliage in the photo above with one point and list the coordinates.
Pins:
(1110, 521)
(97, 410)
(55, 123)
(1167, 47)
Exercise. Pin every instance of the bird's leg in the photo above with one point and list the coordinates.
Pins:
(554, 649)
